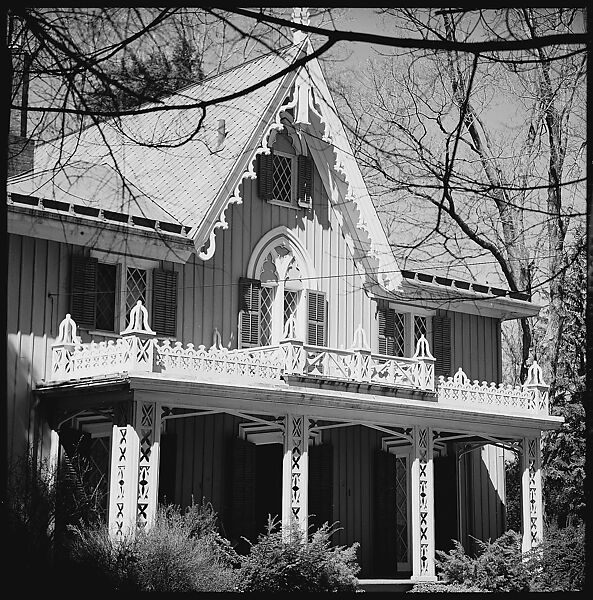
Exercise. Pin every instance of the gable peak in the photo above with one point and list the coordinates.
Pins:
(300, 16)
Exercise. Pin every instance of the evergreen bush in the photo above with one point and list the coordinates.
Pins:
(499, 566)
(280, 562)
(558, 564)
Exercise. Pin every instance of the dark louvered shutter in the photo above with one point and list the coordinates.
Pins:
(321, 485)
(265, 176)
(249, 315)
(240, 494)
(305, 179)
(316, 318)
(441, 342)
(83, 305)
(164, 302)
(386, 321)
(384, 518)
(167, 467)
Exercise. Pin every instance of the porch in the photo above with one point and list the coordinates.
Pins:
(310, 434)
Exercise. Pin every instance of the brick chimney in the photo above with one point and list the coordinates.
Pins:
(21, 149)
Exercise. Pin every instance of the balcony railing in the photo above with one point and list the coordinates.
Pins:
(531, 397)
(138, 351)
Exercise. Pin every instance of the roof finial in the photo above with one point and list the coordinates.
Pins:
(300, 16)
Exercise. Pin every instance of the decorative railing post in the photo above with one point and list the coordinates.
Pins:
(425, 365)
(293, 349)
(139, 339)
(61, 354)
(531, 493)
(539, 390)
(295, 473)
(360, 360)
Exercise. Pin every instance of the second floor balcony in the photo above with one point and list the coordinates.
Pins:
(138, 351)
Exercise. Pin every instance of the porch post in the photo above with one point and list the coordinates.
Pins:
(123, 483)
(133, 490)
(148, 427)
(423, 552)
(295, 473)
(531, 493)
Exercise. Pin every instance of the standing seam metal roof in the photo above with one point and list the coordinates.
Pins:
(174, 184)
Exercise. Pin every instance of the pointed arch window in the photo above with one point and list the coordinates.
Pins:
(275, 301)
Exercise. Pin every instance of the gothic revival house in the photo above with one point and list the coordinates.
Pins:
(223, 319)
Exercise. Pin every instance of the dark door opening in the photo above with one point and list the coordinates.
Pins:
(268, 488)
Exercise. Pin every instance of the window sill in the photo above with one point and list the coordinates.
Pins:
(112, 334)
(284, 204)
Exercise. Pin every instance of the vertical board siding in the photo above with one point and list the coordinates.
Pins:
(353, 495)
(475, 346)
(35, 270)
(215, 305)
(200, 458)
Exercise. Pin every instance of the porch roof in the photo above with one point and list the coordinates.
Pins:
(323, 400)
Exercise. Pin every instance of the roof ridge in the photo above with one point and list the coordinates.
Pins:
(237, 66)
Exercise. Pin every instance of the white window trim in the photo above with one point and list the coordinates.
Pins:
(409, 313)
(293, 182)
(123, 262)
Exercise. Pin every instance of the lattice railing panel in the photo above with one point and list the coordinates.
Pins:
(460, 390)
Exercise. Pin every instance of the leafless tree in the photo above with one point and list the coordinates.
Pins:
(481, 153)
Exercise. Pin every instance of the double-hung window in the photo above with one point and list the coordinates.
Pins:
(398, 331)
(105, 288)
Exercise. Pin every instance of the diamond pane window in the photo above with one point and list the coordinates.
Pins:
(282, 178)
(419, 328)
(290, 304)
(401, 507)
(136, 283)
(267, 298)
(106, 282)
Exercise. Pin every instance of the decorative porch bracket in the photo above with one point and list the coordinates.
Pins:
(295, 473)
(423, 542)
(531, 494)
(133, 491)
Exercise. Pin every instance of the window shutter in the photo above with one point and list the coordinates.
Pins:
(265, 178)
(240, 494)
(384, 522)
(441, 341)
(83, 301)
(249, 315)
(316, 318)
(386, 320)
(164, 302)
(321, 485)
(167, 467)
(305, 179)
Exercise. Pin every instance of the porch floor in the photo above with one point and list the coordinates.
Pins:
(386, 585)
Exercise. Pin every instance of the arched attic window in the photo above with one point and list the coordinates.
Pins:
(278, 290)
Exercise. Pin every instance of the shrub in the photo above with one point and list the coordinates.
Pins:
(293, 563)
(558, 565)
(429, 588)
(182, 552)
(499, 567)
